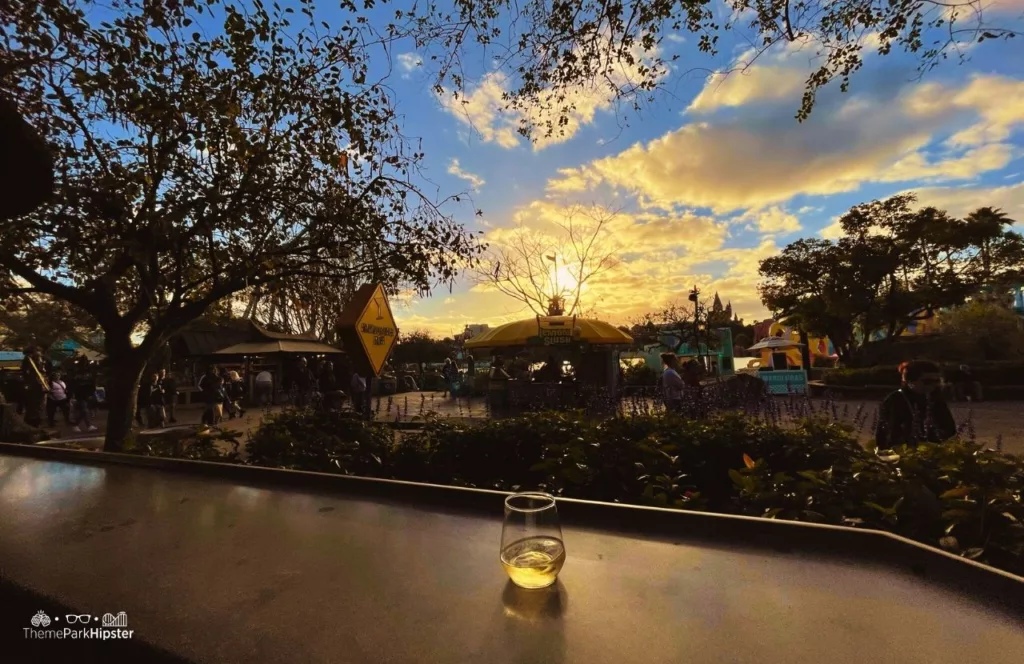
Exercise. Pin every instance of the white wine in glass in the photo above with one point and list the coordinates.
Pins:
(532, 551)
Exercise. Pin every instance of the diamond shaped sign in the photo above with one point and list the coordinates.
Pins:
(368, 328)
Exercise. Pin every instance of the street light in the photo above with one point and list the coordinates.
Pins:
(695, 298)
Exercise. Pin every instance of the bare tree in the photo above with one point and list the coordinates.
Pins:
(306, 305)
(550, 271)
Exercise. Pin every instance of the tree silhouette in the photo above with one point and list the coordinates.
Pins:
(203, 149)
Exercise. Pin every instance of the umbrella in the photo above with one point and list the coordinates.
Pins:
(550, 331)
(774, 342)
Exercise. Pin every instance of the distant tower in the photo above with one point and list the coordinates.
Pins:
(728, 311)
(716, 306)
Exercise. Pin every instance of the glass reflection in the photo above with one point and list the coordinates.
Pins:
(32, 479)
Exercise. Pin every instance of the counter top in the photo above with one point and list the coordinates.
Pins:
(215, 570)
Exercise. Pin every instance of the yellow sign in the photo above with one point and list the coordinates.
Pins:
(377, 330)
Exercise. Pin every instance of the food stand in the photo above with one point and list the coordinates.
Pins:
(781, 380)
(585, 352)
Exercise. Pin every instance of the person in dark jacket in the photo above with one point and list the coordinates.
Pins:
(84, 386)
(156, 402)
(143, 401)
(170, 382)
(916, 412)
(212, 387)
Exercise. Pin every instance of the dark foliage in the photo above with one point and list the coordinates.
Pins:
(956, 495)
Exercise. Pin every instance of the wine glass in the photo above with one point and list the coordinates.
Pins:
(532, 551)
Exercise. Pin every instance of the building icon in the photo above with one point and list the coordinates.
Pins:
(120, 620)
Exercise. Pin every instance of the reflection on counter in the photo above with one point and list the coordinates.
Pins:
(47, 479)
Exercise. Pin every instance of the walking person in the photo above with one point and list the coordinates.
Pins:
(304, 383)
(143, 400)
(35, 386)
(58, 399)
(449, 372)
(693, 391)
(359, 398)
(233, 389)
(211, 386)
(170, 382)
(156, 403)
(916, 412)
(265, 388)
(671, 382)
(84, 391)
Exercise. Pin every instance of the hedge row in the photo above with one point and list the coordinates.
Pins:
(989, 373)
(954, 495)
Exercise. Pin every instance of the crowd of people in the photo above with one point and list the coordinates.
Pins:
(46, 390)
(916, 412)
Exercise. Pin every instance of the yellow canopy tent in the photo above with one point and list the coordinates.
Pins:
(550, 331)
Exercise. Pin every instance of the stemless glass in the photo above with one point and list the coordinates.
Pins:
(532, 551)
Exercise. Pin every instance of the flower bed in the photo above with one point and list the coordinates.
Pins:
(954, 495)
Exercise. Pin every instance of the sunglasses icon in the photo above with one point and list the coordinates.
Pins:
(72, 618)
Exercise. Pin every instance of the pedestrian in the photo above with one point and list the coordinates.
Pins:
(497, 385)
(328, 384)
(671, 382)
(84, 390)
(916, 412)
(234, 391)
(143, 400)
(303, 383)
(211, 386)
(448, 373)
(358, 388)
(693, 391)
(58, 399)
(169, 379)
(264, 388)
(470, 371)
(156, 402)
(35, 386)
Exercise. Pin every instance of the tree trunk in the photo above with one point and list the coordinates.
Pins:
(122, 393)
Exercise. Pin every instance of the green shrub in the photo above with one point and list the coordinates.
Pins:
(881, 375)
(989, 373)
(332, 441)
(955, 495)
(640, 375)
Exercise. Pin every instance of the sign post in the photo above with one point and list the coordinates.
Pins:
(368, 330)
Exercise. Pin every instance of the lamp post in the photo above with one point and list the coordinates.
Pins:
(695, 298)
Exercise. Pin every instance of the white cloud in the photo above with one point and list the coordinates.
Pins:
(960, 201)
(772, 220)
(760, 156)
(741, 87)
(833, 231)
(482, 110)
(485, 109)
(409, 62)
(474, 181)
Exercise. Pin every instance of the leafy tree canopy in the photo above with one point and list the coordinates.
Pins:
(43, 321)
(551, 49)
(894, 264)
(204, 148)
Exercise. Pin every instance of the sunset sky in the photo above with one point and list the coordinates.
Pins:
(717, 174)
